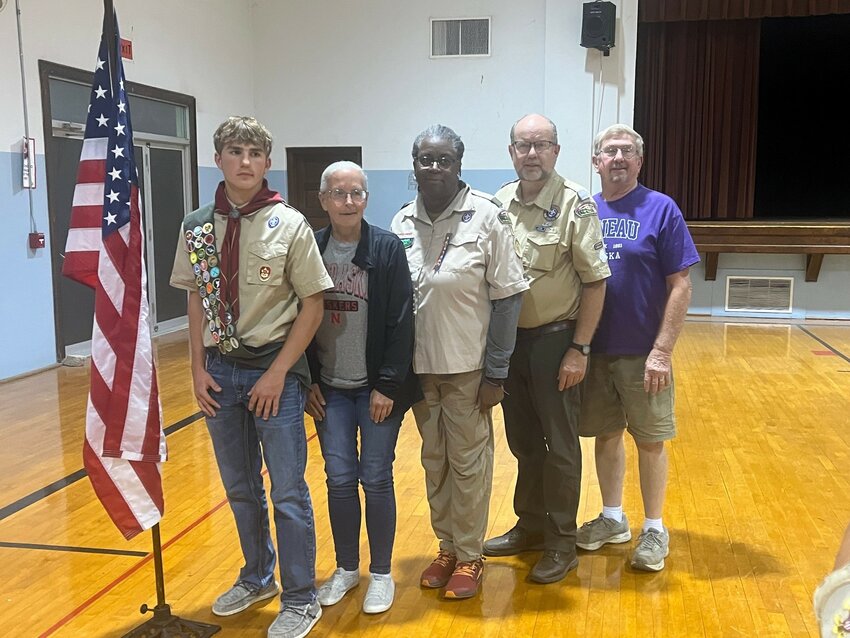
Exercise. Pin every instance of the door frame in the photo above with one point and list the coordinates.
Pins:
(296, 158)
(48, 70)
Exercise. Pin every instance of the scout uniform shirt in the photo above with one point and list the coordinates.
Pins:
(560, 240)
(458, 264)
(279, 262)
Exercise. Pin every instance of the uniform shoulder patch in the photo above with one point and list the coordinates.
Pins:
(513, 181)
(586, 208)
(407, 204)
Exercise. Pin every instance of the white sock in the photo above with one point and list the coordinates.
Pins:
(615, 513)
(655, 523)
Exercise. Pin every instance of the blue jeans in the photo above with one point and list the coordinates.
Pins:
(238, 438)
(345, 412)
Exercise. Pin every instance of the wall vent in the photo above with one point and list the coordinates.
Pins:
(759, 294)
(455, 38)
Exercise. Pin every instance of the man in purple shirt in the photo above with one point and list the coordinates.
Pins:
(629, 382)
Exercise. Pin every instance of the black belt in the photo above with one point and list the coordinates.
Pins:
(539, 331)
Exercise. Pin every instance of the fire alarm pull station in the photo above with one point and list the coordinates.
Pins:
(36, 240)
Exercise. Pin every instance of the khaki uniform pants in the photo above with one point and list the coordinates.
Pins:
(457, 455)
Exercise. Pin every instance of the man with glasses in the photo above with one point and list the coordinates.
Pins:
(467, 288)
(630, 381)
(560, 241)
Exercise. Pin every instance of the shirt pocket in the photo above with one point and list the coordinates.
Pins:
(541, 250)
(266, 263)
(461, 253)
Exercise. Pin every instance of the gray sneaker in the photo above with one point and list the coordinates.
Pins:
(596, 533)
(295, 621)
(652, 548)
(335, 587)
(241, 596)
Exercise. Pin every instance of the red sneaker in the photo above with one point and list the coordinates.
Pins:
(437, 574)
(465, 579)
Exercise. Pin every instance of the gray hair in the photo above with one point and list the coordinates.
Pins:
(343, 165)
(439, 132)
(551, 123)
(616, 130)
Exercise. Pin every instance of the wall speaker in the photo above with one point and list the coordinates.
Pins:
(598, 23)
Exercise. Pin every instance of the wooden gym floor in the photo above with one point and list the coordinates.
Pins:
(757, 501)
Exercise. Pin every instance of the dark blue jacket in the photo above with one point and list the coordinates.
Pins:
(389, 331)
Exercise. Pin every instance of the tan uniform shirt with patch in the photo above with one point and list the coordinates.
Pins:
(458, 264)
(560, 240)
(279, 262)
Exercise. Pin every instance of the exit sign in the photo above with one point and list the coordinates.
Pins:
(126, 49)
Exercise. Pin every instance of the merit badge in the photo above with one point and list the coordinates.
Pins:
(207, 228)
(265, 273)
(467, 216)
(234, 342)
(586, 208)
(196, 231)
(274, 221)
(552, 213)
(203, 264)
(193, 258)
(189, 236)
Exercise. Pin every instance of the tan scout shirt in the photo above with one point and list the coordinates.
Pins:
(560, 240)
(279, 262)
(458, 264)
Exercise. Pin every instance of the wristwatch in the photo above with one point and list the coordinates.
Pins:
(581, 347)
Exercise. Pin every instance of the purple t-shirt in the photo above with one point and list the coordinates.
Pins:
(646, 239)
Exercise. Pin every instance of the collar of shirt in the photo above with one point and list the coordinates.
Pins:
(460, 204)
(547, 195)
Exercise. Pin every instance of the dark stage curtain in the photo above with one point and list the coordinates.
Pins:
(679, 10)
(696, 105)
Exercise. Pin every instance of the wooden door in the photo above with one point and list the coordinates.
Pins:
(304, 167)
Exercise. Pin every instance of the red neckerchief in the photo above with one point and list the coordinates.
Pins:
(229, 257)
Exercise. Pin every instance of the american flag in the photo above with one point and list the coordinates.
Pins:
(124, 440)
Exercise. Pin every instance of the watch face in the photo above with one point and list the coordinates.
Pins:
(583, 348)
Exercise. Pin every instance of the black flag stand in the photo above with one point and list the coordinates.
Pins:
(164, 624)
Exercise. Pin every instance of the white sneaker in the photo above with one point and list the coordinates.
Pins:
(379, 596)
(335, 587)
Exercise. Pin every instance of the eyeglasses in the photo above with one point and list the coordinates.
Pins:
(611, 151)
(443, 161)
(338, 195)
(524, 147)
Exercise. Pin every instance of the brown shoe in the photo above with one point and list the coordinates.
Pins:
(437, 574)
(465, 579)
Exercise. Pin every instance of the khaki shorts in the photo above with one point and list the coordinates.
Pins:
(614, 399)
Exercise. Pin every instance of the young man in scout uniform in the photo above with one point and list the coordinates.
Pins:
(248, 260)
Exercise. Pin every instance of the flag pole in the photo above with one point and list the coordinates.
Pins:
(163, 624)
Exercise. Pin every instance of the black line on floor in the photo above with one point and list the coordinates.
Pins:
(837, 353)
(44, 492)
(68, 548)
